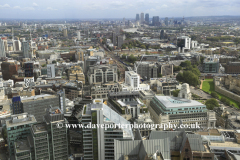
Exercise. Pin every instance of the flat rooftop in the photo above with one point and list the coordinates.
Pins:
(38, 128)
(38, 97)
(176, 102)
(22, 146)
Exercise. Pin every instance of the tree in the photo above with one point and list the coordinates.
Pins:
(159, 75)
(185, 64)
(179, 77)
(53, 62)
(177, 68)
(124, 56)
(214, 95)
(211, 103)
(175, 93)
(44, 65)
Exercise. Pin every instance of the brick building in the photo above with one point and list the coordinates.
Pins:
(232, 68)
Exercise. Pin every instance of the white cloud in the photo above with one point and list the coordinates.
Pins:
(50, 8)
(28, 8)
(16, 7)
(35, 5)
(164, 6)
(5, 6)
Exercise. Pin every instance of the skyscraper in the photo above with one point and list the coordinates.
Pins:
(142, 18)
(155, 21)
(65, 33)
(162, 34)
(78, 36)
(120, 41)
(114, 38)
(26, 49)
(147, 18)
(2, 49)
(166, 21)
(137, 17)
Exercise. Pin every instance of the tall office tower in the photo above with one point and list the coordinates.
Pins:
(137, 17)
(128, 22)
(78, 35)
(18, 127)
(5, 45)
(26, 50)
(166, 21)
(119, 41)
(51, 70)
(17, 45)
(28, 67)
(65, 34)
(2, 48)
(147, 18)
(142, 18)
(155, 21)
(123, 21)
(162, 34)
(114, 38)
(57, 133)
(98, 142)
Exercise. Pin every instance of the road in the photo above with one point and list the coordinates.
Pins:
(200, 93)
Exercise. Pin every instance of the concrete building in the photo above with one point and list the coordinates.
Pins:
(65, 34)
(232, 68)
(102, 74)
(155, 21)
(18, 127)
(211, 65)
(132, 82)
(57, 133)
(27, 53)
(137, 17)
(78, 35)
(166, 21)
(166, 109)
(185, 92)
(142, 18)
(98, 142)
(51, 70)
(2, 48)
(28, 81)
(164, 86)
(119, 41)
(9, 68)
(36, 105)
(114, 38)
(147, 18)
(146, 70)
(101, 91)
(79, 55)
(183, 43)
(76, 73)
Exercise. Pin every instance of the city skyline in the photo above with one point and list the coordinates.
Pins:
(115, 9)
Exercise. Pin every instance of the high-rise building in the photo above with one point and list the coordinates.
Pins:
(51, 70)
(147, 70)
(147, 18)
(28, 67)
(155, 21)
(142, 18)
(18, 45)
(9, 68)
(99, 142)
(114, 38)
(2, 48)
(137, 17)
(65, 33)
(166, 21)
(26, 49)
(119, 41)
(162, 34)
(56, 132)
(18, 127)
(78, 35)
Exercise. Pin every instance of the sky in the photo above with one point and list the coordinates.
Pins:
(85, 9)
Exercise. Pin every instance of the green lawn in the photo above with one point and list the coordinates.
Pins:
(208, 86)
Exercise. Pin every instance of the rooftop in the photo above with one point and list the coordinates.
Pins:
(22, 146)
(38, 128)
(176, 102)
(20, 119)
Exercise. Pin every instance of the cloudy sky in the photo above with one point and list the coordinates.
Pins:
(80, 9)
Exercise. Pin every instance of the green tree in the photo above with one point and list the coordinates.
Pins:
(185, 64)
(214, 95)
(44, 65)
(211, 103)
(159, 75)
(124, 56)
(179, 77)
(175, 93)
(53, 62)
(177, 68)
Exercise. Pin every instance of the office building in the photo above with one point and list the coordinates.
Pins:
(183, 42)
(232, 68)
(211, 65)
(18, 127)
(57, 133)
(76, 73)
(22, 149)
(166, 109)
(28, 67)
(36, 105)
(18, 45)
(114, 38)
(98, 142)
(147, 18)
(79, 56)
(2, 48)
(162, 34)
(51, 70)
(78, 35)
(102, 74)
(65, 34)
(88, 61)
(146, 70)
(101, 91)
(119, 41)
(132, 82)
(166, 21)
(155, 21)
(164, 86)
(142, 18)
(9, 68)
(27, 53)
(137, 17)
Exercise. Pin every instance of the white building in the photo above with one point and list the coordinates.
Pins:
(51, 70)
(78, 36)
(2, 48)
(186, 43)
(185, 92)
(132, 82)
(28, 80)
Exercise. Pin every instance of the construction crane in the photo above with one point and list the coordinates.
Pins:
(136, 67)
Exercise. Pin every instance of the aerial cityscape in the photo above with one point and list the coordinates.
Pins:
(120, 80)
